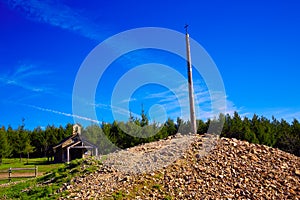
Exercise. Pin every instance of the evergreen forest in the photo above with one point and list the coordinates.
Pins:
(20, 142)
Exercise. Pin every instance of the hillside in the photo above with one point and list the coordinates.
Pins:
(233, 169)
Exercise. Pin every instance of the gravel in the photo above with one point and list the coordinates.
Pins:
(151, 156)
(192, 167)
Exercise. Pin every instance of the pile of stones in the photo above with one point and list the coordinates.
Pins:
(192, 167)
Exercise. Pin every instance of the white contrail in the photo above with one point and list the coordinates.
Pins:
(65, 114)
(57, 14)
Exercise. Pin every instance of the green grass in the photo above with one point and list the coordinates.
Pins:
(118, 195)
(148, 185)
(156, 186)
(46, 187)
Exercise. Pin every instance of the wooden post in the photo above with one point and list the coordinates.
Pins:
(36, 171)
(190, 83)
(68, 155)
(9, 174)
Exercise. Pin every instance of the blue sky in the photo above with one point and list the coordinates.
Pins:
(254, 44)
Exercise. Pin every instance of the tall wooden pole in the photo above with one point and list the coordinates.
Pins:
(190, 83)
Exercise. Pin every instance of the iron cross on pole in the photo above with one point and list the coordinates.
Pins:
(186, 28)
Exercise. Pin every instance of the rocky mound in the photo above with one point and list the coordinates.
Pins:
(232, 170)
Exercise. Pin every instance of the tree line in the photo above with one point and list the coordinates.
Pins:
(21, 142)
(274, 133)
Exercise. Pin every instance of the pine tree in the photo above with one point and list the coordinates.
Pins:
(248, 134)
(28, 149)
(170, 126)
(144, 120)
(202, 127)
(227, 126)
(5, 149)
